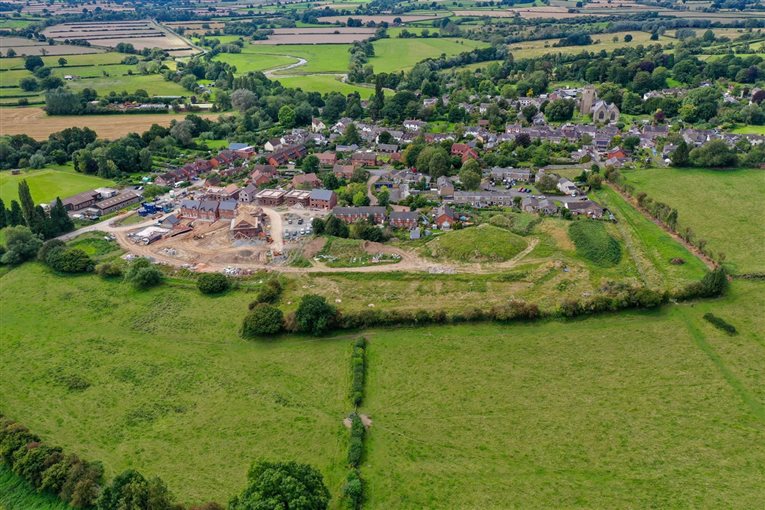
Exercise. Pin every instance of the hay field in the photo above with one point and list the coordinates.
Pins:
(35, 123)
(26, 47)
(335, 35)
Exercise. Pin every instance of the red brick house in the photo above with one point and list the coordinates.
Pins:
(352, 214)
(360, 159)
(443, 216)
(323, 199)
(326, 158)
(404, 219)
(286, 154)
(306, 181)
(464, 151)
(297, 197)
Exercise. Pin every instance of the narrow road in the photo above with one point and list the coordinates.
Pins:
(370, 183)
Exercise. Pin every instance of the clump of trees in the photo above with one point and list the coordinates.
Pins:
(262, 320)
(282, 485)
(314, 315)
(20, 245)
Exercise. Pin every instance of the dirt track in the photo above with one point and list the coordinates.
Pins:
(34, 122)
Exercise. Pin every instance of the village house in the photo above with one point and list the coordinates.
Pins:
(510, 174)
(359, 159)
(464, 151)
(306, 181)
(243, 229)
(189, 208)
(535, 205)
(270, 197)
(443, 216)
(404, 219)
(273, 144)
(326, 158)
(567, 187)
(585, 207)
(247, 195)
(208, 210)
(481, 199)
(343, 171)
(287, 154)
(414, 125)
(445, 187)
(230, 192)
(317, 125)
(323, 199)
(227, 209)
(297, 197)
(375, 214)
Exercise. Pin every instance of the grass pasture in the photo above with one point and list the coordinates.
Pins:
(533, 49)
(17, 494)
(48, 183)
(393, 55)
(725, 207)
(485, 243)
(173, 390)
(594, 243)
(635, 410)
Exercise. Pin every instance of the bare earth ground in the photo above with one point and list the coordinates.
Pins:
(35, 123)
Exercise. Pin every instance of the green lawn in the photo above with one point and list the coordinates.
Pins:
(635, 410)
(173, 391)
(393, 55)
(750, 130)
(49, 183)
(725, 207)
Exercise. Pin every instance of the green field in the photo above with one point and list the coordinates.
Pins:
(636, 410)
(73, 60)
(249, 62)
(173, 390)
(484, 243)
(393, 55)
(154, 84)
(326, 58)
(725, 207)
(324, 83)
(49, 183)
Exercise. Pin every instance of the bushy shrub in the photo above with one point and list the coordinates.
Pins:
(356, 446)
(262, 320)
(353, 489)
(69, 260)
(358, 365)
(314, 315)
(720, 323)
(213, 283)
(282, 485)
(142, 274)
(47, 247)
(129, 489)
(270, 293)
(109, 270)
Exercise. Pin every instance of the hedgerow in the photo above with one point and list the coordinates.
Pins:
(720, 323)
(358, 365)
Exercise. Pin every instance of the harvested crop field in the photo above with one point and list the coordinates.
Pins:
(381, 18)
(335, 35)
(141, 34)
(35, 123)
(23, 47)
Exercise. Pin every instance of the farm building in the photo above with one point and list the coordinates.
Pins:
(117, 202)
(80, 200)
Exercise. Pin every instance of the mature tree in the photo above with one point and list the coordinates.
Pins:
(20, 244)
(439, 164)
(681, 155)
(310, 164)
(183, 132)
(60, 220)
(213, 283)
(470, 174)
(243, 99)
(334, 226)
(351, 135)
(314, 315)
(3, 215)
(27, 204)
(560, 110)
(715, 153)
(62, 61)
(28, 84)
(131, 491)
(33, 62)
(287, 116)
(15, 215)
(547, 182)
(264, 319)
(282, 486)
